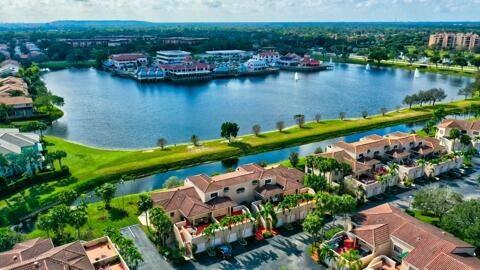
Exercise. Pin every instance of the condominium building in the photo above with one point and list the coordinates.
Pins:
(172, 57)
(446, 40)
(14, 92)
(182, 40)
(125, 61)
(204, 200)
(387, 238)
(470, 128)
(370, 157)
(41, 254)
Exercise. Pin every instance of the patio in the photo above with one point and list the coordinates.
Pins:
(346, 242)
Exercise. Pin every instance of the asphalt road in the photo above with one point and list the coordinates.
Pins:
(151, 258)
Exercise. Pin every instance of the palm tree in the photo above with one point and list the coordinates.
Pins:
(144, 204)
(3, 164)
(267, 212)
(350, 260)
(243, 218)
(454, 134)
(326, 253)
(59, 156)
(162, 225)
(161, 142)
(209, 231)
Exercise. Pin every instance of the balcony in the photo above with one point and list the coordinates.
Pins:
(346, 241)
(103, 254)
(382, 262)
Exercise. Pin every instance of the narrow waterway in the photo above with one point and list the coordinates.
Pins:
(156, 181)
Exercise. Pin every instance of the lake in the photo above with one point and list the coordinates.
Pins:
(106, 111)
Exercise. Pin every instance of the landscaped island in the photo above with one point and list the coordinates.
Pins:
(92, 166)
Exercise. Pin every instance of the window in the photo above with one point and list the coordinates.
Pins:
(376, 153)
(255, 182)
(214, 195)
(476, 133)
(412, 143)
(240, 190)
(368, 151)
(397, 249)
(386, 147)
(226, 189)
(360, 156)
(268, 181)
(172, 214)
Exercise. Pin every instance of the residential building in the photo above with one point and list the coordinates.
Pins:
(470, 128)
(41, 254)
(370, 157)
(289, 60)
(387, 238)
(269, 56)
(14, 92)
(182, 40)
(449, 40)
(187, 71)
(225, 55)
(12, 141)
(172, 57)
(253, 65)
(204, 200)
(9, 68)
(125, 61)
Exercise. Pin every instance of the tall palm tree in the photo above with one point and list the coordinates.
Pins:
(267, 212)
(350, 260)
(209, 232)
(454, 134)
(326, 253)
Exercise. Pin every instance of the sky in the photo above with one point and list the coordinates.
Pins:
(240, 10)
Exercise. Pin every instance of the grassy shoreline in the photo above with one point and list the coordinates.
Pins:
(406, 66)
(58, 65)
(91, 167)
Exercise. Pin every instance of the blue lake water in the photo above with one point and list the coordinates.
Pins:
(107, 111)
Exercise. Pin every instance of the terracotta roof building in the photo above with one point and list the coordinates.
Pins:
(40, 254)
(416, 245)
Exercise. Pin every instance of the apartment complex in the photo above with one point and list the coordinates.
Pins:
(204, 200)
(470, 128)
(370, 159)
(41, 254)
(12, 141)
(448, 40)
(388, 238)
(9, 68)
(14, 92)
(126, 61)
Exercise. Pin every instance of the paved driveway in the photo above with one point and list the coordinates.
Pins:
(151, 258)
(285, 251)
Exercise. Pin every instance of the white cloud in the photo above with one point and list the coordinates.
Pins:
(240, 10)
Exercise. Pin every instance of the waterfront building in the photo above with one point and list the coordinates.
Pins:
(204, 200)
(125, 61)
(182, 40)
(172, 57)
(41, 254)
(370, 157)
(470, 128)
(385, 237)
(288, 60)
(150, 74)
(253, 65)
(225, 55)
(14, 92)
(269, 56)
(449, 40)
(187, 71)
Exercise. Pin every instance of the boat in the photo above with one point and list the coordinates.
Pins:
(367, 67)
(416, 74)
(296, 76)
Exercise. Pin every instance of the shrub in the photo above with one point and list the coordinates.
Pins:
(332, 231)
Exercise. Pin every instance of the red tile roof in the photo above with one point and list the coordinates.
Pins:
(127, 56)
(428, 242)
(460, 124)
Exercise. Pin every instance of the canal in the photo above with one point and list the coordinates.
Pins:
(106, 111)
(156, 181)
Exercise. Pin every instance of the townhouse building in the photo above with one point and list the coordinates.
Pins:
(204, 200)
(41, 254)
(371, 160)
(470, 128)
(388, 238)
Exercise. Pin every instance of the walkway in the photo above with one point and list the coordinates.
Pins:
(151, 258)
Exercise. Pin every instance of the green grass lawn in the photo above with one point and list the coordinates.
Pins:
(56, 65)
(424, 218)
(123, 213)
(91, 167)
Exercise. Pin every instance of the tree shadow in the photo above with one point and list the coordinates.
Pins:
(288, 247)
(117, 214)
(257, 259)
(245, 147)
(66, 181)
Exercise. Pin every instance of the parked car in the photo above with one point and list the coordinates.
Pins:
(224, 251)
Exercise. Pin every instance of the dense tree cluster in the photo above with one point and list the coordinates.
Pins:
(428, 96)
